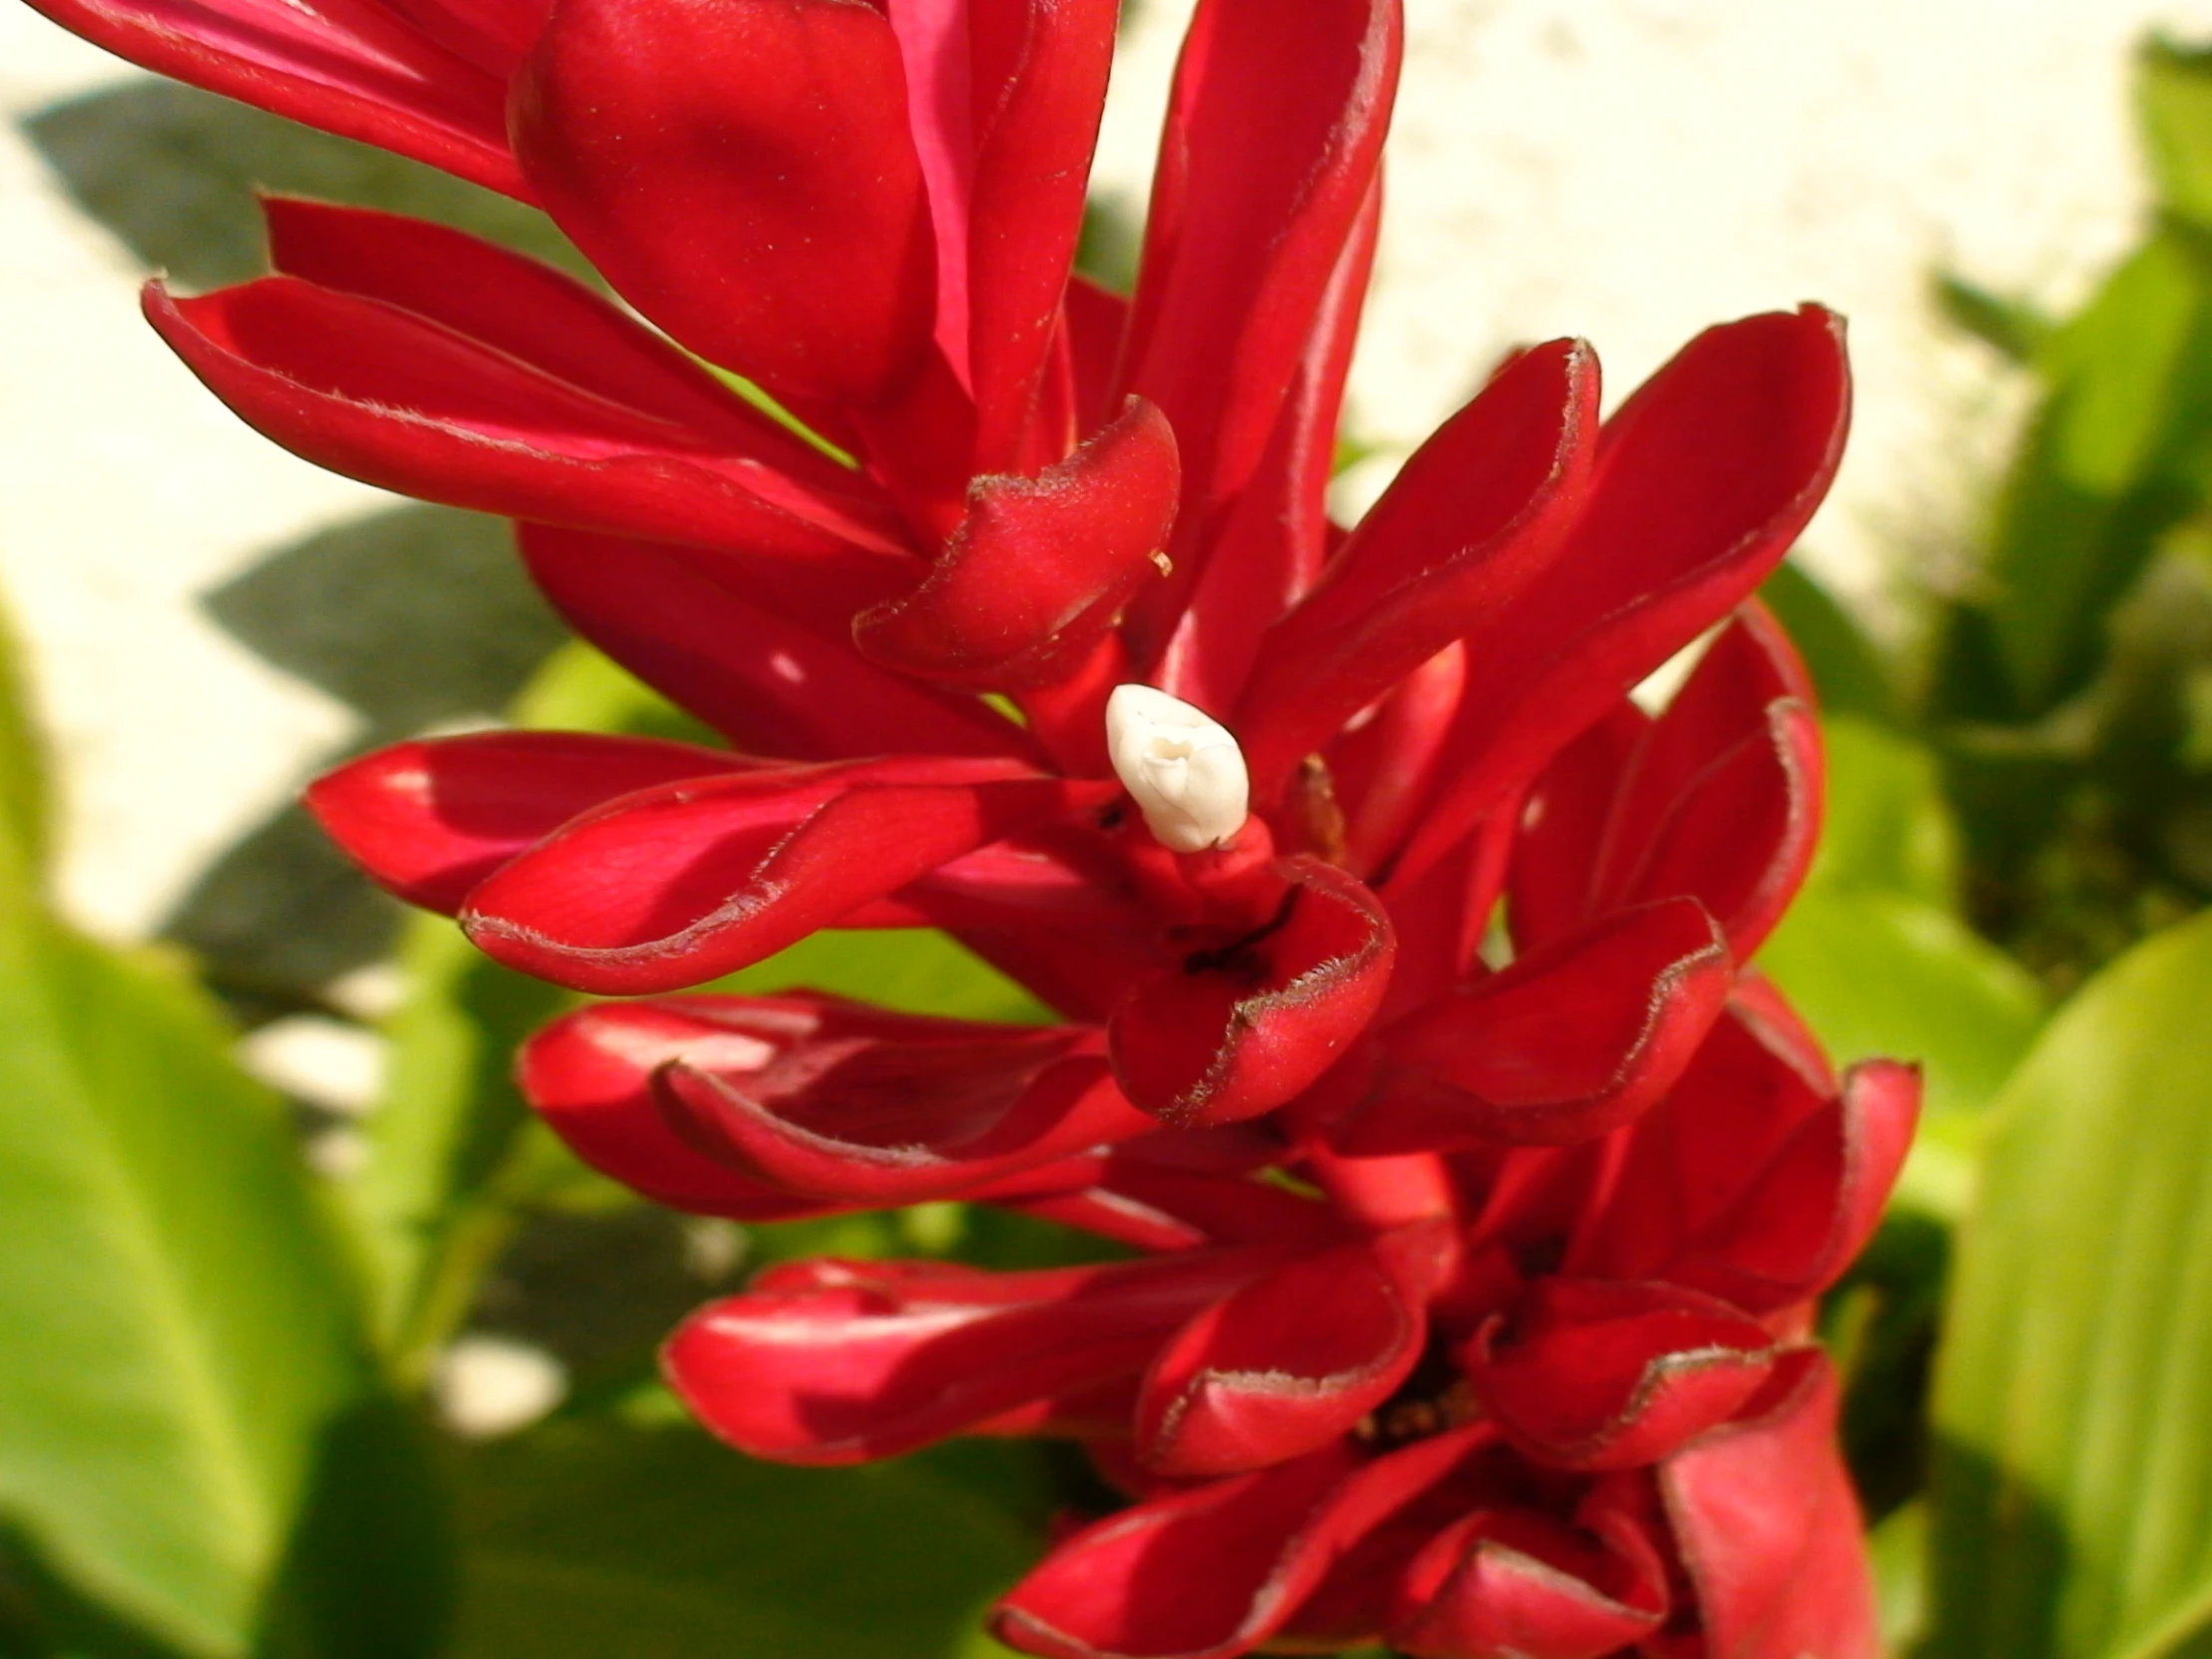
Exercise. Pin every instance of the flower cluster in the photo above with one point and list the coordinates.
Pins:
(1476, 1191)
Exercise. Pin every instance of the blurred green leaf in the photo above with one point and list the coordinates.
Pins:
(449, 1119)
(1848, 670)
(2011, 327)
(2173, 100)
(2113, 458)
(2073, 1399)
(194, 1433)
(1887, 824)
(608, 1541)
(23, 782)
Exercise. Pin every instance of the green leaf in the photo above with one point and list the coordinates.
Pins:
(449, 1121)
(2173, 99)
(599, 1540)
(23, 782)
(1847, 668)
(2074, 1399)
(2112, 461)
(2014, 327)
(195, 1434)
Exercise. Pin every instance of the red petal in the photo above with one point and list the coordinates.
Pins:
(1475, 518)
(430, 820)
(1753, 1181)
(378, 394)
(840, 1362)
(742, 173)
(1767, 1525)
(1213, 1571)
(1591, 1374)
(1570, 1042)
(548, 319)
(718, 636)
(1277, 535)
(1281, 1368)
(671, 887)
(1229, 1034)
(1516, 1583)
(350, 67)
(1557, 854)
(589, 1075)
(869, 1112)
(1038, 84)
(1704, 477)
(1274, 132)
(1041, 568)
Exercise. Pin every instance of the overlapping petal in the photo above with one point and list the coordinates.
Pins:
(420, 359)
(666, 887)
(1237, 1029)
(1041, 568)
(1591, 1374)
(1514, 1581)
(839, 1362)
(743, 171)
(430, 820)
(1570, 1042)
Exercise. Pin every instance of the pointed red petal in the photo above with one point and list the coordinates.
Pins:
(1041, 568)
(1274, 133)
(1573, 1040)
(589, 1075)
(1038, 84)
(890, 1118)
(430, 820)
(742, 173)
(1515, 1583)
(1592, 1374)
(1230, 1035)
(1213, 1571)
(1768, 1527)
(348, 67)
(668, 888)
(840, 1362)
(1285, 1365)
(1475, 518)
(394, 399)
(1704, 477)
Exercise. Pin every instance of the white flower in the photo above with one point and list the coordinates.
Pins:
(1184, 770)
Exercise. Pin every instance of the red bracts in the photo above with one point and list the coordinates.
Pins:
(1476, 1188)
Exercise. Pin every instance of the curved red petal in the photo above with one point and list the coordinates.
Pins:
(1573, 1040)
(1767, 1525)
(882, 1121)
(742, 173)
(1213, 1572)
(1041, 568)
(1515, 1583)
(1229, 1034)
(1593, 1374)
(1471, 520)
(394, 399)
(589, 1075)
(840, 1362)
(1275, 129)
(1704, 477)
(350, 67)
(1284, 1367)
(433, 818)
(668, 888)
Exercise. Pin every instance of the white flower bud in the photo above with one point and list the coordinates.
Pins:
(1184, 770)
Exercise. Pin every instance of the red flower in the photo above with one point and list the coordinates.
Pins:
(1473, 1266)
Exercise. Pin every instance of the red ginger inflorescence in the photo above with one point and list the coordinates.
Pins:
(1477, 1190)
